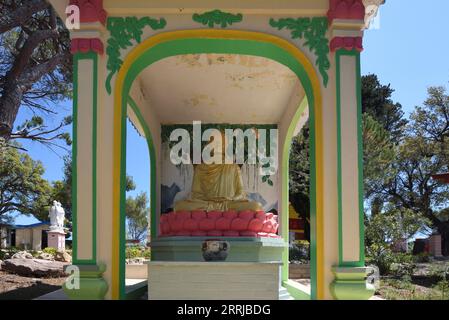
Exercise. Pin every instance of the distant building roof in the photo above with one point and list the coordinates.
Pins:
(22, 226)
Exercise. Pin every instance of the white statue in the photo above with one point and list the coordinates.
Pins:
(57, 214)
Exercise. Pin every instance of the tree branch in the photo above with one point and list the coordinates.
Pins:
(11, 20)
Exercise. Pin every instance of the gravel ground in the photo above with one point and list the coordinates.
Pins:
(14, 287)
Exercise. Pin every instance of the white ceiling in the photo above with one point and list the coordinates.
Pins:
(218, 88)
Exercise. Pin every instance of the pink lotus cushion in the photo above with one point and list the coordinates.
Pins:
(199, 233)
(239, 224)
(164, 218)
(207, 224)
(191, 224)
(223, 224)
(171, 217)
(231, 214)
(214, 215)
(165, 227)
(182, 215)
(215, 233)
(267, 226)
(248, 234)
(230, 223)
(198, 215)
(255, 225)
(231, 233)
(177, 225)
(246, 215)
(275, 228)
(260, 215)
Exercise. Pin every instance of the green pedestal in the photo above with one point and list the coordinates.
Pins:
(350, 284)
(92, 286)
(241, 249)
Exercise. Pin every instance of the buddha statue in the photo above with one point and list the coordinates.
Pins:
(217, 187)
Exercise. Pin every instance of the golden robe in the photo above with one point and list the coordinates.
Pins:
(217, 187)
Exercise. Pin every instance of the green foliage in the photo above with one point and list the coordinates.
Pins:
(377, 103)
(133, 252)
(422, 257)
(384, 229)
(299, 252)
(35, 70)
(299, 176)
(378, 154)
(130, 184)
(137, 213)
(22, 187)
(51, 251)
(402, 270)
(147, 253)
(8, 252)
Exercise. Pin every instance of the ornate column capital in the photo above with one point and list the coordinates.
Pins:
(93, 20)
(91, 10)
(346, 9)
(348, 19)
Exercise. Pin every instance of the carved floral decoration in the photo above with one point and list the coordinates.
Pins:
(217, 17)
(313, 31)
(123, 31)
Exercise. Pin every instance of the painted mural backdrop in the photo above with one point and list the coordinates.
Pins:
(177, 179)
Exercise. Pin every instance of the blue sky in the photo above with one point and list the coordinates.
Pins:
(409, 50)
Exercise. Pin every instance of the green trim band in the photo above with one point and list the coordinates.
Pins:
(361, 261)
(152, 155)
(77, 57)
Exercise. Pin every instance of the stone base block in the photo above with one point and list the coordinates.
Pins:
(213, 280)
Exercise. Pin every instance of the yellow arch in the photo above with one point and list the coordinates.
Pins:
(217, 34)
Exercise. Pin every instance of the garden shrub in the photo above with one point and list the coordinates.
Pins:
(147, 253)
(422, 257)
(299, 251)
(133, 252)
(51, 251)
